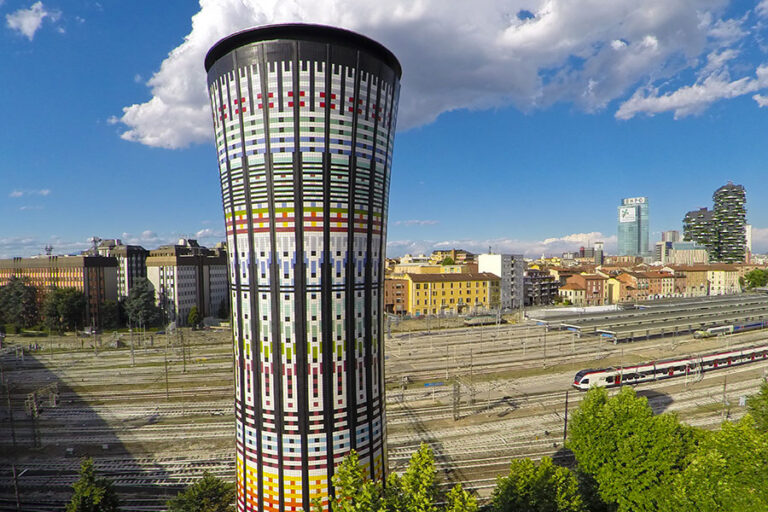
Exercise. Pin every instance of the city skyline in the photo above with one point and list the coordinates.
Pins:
(554, 139)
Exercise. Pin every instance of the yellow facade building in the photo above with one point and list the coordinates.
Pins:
(432, 294)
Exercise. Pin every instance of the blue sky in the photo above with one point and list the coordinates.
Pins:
(518, 132)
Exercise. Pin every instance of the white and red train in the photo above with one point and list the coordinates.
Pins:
(669, 368)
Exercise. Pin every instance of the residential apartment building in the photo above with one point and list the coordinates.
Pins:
(95, 276)
(723, 279)
(458, 256)
(511, 269)
(396, 295)
(541, 287)
(573, 293)
(713, 279)
(432, 294)
(186, 275)
(686, 253)
(131, 263)
(585, 289)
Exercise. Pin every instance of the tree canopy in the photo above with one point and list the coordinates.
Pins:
(415, 491)
(537, 488)
(756, 278)
(758, 408)
(140, 305)
(92, 493)
(64, 309)
(209, 494)
(18, 302)
(193, 318)
(633, 455)
(726, 473)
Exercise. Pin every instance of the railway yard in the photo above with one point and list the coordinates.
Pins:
(156, 412)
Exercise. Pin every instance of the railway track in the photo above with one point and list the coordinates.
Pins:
(160, 445)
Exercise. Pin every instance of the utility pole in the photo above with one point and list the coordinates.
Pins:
(725, 382)
(456, 398)
(565, 424)
(10, 415)
(167, 397)
(16, 487)
(446, 362)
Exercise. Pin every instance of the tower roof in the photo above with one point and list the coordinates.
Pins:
(303, 32)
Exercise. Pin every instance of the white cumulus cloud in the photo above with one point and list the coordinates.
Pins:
(762, 101)
(456, 54)
(693, 99)
(415, 222)
(28, 21)
(762, 8)
(530, 248)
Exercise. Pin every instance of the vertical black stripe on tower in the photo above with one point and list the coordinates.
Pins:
(256, 325)
(351, 339)
(274, 278)
(299, 279)
(369, 284)
(239, 334)
(238, 284)
(253, 288)
(391, 93)
(326, 285)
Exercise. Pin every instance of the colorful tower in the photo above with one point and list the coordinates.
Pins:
(304, 119)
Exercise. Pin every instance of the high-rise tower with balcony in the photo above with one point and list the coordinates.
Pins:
(730, 218)
(304, 121)
(721, 230)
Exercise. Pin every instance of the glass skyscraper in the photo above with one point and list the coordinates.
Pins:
(304, 120)
(633, 227)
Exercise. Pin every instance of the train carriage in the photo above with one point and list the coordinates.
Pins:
(669, 368)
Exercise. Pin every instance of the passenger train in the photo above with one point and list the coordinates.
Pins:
(668, 368)
(729, 329)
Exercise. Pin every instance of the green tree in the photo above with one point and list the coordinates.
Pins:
(72, 308)
(92, 493)
(415, 491)
(447, 261)
(758, 407)
(64, 309)
(728, 472)
(633, 455)
(193, 318)
(756, 278)
(459, 500)
(537, 488)
(209, 494)
(50, 311)
(140, 305)
(18, 302)
(419, 482)
(355, 493)
(223, 311)
(110, 314)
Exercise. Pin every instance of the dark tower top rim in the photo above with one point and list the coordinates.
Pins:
(303, 32)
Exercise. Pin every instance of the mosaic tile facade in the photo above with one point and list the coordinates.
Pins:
(304, 120)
